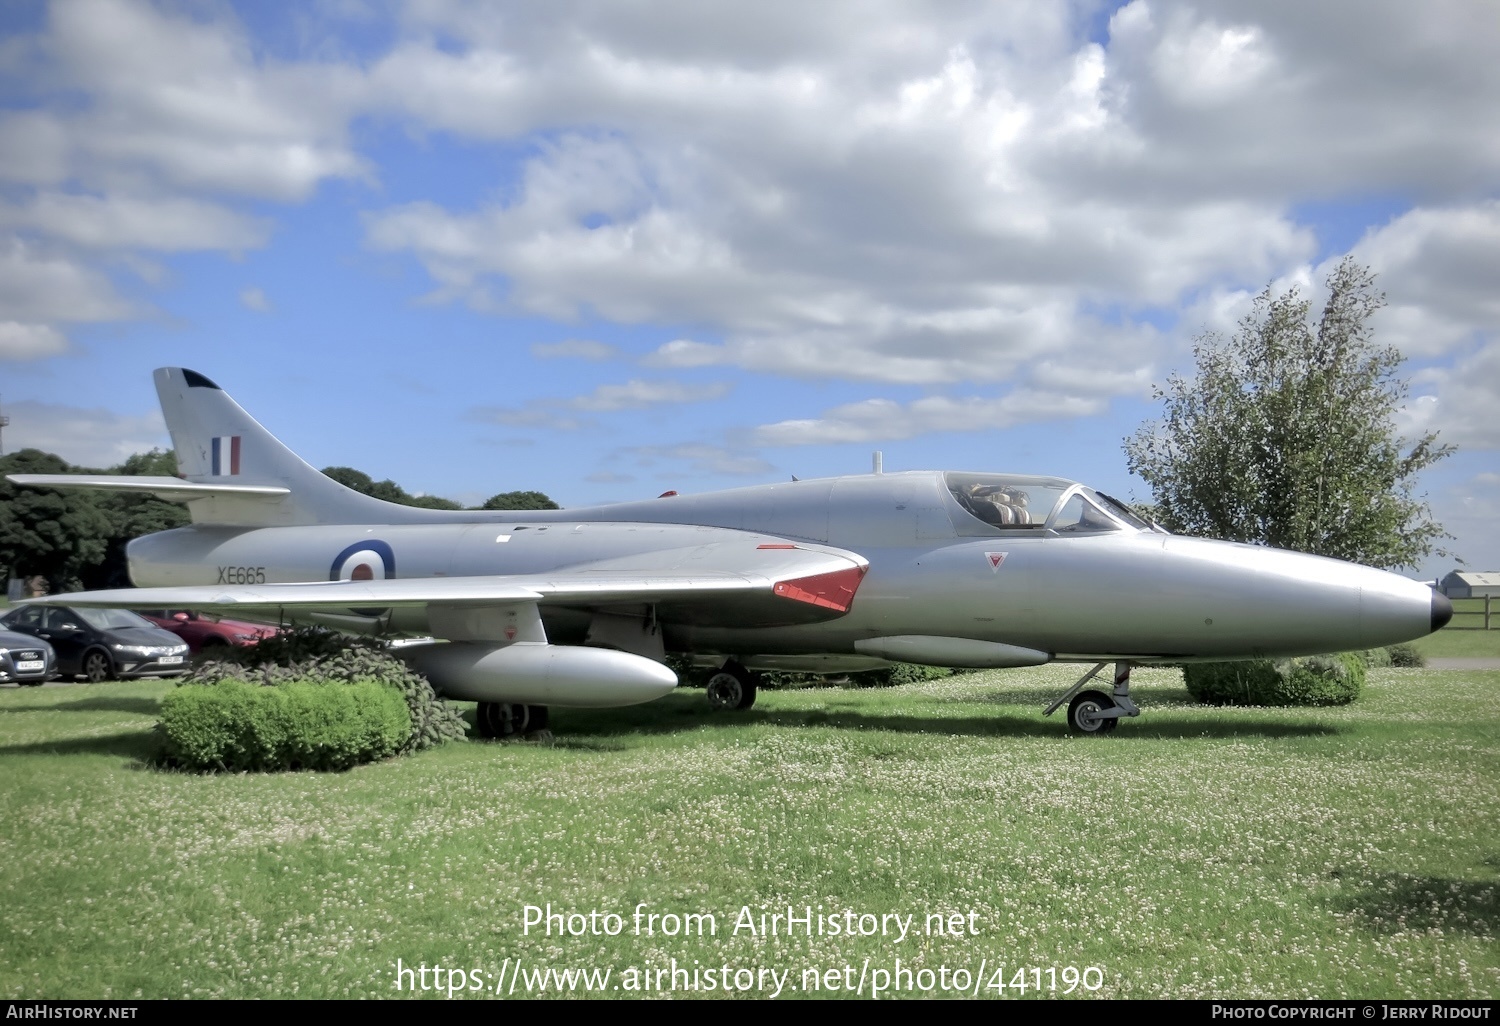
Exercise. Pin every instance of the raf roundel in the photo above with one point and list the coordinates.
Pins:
(368, 560)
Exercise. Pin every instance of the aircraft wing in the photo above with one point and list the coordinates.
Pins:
(776, 583)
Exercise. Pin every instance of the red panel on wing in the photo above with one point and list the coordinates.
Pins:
(831, 591)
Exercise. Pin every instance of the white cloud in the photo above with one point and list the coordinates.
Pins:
(701, 458)
(39, 285)
(147, 126)
(84, 437)
(884, 420)
(1437, 267)
(30, 341)
(575, 349)
(635, 394)
(119, 222)
(255, 299)
(898, 202)
(920, 193)
(187, 101)
(1458, 402)
(638, 395)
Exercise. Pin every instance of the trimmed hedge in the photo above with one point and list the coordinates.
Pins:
(235, 725)
(319, 656)
(1306, 680)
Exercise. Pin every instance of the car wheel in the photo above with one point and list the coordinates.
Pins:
(97, 666)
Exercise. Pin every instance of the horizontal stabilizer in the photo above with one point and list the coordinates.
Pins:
(172, 489)
(318, 595)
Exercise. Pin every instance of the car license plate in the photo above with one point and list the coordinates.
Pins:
(169, 660)
(31, 664)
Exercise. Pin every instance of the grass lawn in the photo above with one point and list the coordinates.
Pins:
(1454, 641)
(1195, 852)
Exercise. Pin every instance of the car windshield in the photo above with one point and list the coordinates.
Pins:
(110, 619)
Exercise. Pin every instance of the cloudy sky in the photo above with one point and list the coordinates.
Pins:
(604, 249)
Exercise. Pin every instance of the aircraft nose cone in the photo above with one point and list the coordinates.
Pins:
(1442, 610)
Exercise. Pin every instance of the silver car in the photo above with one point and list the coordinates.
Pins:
(25, 660)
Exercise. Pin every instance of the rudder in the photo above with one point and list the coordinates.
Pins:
(218, 443)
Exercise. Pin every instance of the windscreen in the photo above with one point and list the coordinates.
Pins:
(110, 619)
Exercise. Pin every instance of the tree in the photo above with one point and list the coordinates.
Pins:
(388, 490)
(77, 538)
(59, 534)
(519, 500)
(132, 516)
(1285, 436)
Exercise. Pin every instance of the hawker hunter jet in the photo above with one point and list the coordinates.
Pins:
(520, 611)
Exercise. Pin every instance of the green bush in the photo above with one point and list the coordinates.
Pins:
(318, 656)
(898, 673)
(692, 676)
(1406, 655)
(1306, 680)
(1377, 658)
(235, 725)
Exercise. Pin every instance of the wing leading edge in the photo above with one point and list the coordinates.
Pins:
(799, 585)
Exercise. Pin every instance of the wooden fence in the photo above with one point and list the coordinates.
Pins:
(1473, 614)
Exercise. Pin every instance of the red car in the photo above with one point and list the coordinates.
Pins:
(206, 631)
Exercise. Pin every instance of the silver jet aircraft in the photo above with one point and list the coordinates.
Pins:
(531, 609)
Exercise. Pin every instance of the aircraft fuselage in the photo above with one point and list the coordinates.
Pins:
(935, 571)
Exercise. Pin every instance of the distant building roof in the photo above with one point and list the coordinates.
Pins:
(1490, 578)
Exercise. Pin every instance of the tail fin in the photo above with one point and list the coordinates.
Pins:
(218, 444)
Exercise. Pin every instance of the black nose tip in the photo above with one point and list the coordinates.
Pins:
(1442, 610)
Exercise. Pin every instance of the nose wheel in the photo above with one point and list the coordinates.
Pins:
(1094, 712)
(1085, 713)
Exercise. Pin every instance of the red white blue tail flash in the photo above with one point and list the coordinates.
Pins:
(226, 456)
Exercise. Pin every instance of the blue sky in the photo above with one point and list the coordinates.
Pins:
(604, 250)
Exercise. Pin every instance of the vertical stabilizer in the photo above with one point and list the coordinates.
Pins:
(218, 443)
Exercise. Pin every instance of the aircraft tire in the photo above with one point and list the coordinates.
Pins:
(726, 690)
(747, 697)
(1082, 708)
(503, 719)
(538, 718)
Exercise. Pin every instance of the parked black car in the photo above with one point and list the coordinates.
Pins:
(25, 659)
(102, 644)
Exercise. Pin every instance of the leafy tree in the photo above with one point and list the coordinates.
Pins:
(519, 500)
(388, 490)
(1284, 436)
(132, 516)
(58, 534)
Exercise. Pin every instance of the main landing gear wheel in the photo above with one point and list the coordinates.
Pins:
(506, 719)
(1084, 710)
(733, 687)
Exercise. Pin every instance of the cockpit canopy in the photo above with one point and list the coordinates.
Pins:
(1012, 502)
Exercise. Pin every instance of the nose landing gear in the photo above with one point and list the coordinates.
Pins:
(1094, 712)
